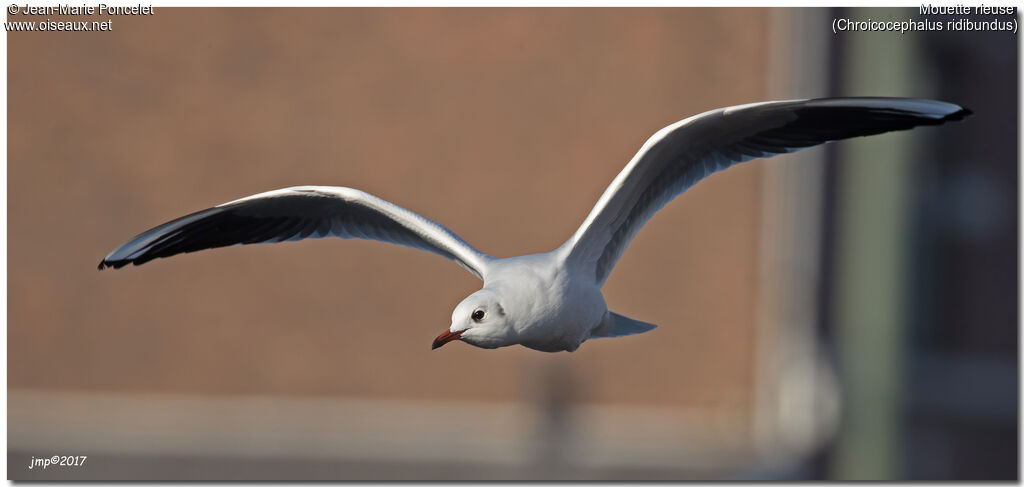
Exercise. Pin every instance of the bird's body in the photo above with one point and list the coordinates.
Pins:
(552, 307)
(549, 301)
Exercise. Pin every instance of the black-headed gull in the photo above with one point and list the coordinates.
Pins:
(550, 301)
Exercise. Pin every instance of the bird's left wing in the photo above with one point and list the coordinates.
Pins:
(680, 155)
(295, 214)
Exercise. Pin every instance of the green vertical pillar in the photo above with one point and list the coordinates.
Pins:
(871, 256)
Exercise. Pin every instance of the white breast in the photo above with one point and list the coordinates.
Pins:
(552, 308)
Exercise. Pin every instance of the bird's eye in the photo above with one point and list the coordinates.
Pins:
(478, 315)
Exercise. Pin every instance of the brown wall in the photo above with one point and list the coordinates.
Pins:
(503, 124)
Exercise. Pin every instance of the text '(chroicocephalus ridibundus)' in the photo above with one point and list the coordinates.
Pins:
(551, 301)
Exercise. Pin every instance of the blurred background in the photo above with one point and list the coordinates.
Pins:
(847, 312)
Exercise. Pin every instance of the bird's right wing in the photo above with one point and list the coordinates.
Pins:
(295, 214)
(680, 155)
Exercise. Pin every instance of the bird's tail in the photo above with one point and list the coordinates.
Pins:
(616, 325)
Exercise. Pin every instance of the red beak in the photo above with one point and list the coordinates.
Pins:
(445, 337)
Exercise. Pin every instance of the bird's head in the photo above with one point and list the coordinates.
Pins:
(479, 320)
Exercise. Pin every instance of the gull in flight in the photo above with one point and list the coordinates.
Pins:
(550, 301)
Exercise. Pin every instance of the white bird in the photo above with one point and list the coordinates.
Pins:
(550, 301)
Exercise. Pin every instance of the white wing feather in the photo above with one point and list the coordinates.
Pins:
(680, 155)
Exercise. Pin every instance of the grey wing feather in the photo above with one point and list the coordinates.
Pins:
(680, 155)
(294, 214)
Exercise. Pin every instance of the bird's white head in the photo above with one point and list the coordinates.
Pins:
(480, 320)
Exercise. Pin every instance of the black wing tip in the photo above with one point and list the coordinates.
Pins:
(960, 114)
(114, 264)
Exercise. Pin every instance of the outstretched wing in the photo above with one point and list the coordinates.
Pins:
(680, 155)
(294, 214)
